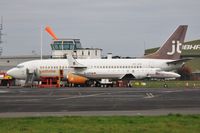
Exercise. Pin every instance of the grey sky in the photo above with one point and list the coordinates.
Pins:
(118, 26)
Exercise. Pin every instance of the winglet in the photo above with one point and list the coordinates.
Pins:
(73, 63)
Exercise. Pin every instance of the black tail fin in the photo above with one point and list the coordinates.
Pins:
(172, 47)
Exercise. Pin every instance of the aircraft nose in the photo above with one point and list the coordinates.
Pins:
(12, 72)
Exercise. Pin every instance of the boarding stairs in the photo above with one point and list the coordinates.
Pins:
(30, 78)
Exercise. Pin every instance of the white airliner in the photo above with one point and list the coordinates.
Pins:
(160, 64)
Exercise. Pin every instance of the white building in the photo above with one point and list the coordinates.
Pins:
(62, 47)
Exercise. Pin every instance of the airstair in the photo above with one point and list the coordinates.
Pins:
(30, 78)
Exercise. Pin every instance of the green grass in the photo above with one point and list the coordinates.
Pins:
(112, 124)
(170, 84)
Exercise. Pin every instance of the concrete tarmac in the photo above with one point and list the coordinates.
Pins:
(17, 102)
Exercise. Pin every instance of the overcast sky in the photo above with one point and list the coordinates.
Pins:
(123, 27)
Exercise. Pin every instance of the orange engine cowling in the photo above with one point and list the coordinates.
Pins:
(76, 79)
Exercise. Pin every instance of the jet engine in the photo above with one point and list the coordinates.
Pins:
(76, 79)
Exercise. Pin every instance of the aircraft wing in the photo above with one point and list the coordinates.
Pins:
(74, 64)
(127, 76)
(78, 66)
(179, 61)
(164, 74)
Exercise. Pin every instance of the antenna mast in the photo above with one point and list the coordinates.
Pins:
(1, 28)
(41, 41)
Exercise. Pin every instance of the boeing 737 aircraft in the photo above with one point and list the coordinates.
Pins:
(160, 64)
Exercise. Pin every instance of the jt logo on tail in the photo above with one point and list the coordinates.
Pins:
(176, 47)
(171, 49)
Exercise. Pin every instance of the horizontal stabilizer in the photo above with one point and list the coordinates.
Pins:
(179, 61)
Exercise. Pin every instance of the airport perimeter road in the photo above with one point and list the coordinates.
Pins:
(98, 101)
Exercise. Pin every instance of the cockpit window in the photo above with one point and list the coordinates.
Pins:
(20, 66)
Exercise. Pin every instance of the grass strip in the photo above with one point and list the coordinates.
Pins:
(106, 124)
